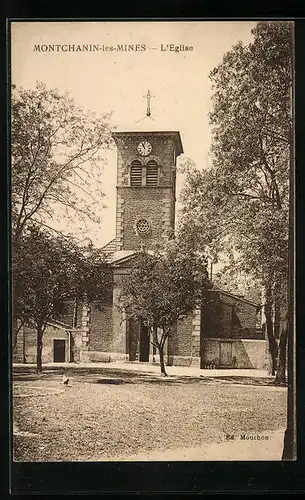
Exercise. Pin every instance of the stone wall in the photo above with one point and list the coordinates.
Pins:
(246, 353)
(119, 343)
(29, 343)
(73, 311)
(180, 341)
(245, 312)
(196, 336)
(76, 346)
(101, 331)
(156, 204)
(229, 316)
(184, 342)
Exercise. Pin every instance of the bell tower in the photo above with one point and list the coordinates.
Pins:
(146, 182)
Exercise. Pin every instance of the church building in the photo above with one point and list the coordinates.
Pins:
(225, 335)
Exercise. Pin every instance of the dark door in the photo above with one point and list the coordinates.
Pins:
(144, 343)
(133, 340)
(59, 351)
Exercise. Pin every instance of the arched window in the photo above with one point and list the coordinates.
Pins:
(152, 173)
(136, 173)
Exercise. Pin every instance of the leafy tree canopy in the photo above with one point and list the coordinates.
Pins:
(57, 153)
(241, 203)
(50, 271)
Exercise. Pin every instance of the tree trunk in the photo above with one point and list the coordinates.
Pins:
(161, 354)
(281, 366)
(270, 335)
(39, 349)
(23, 347)
(154, 341)
(277, 319)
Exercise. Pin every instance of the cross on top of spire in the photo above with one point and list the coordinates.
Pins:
(148, 96)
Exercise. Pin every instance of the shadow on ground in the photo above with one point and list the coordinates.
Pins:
(248, 380)
(120, 376)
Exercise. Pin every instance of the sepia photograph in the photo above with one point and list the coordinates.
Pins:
(152, 247)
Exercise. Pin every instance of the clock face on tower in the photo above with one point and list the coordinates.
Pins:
(144, 148)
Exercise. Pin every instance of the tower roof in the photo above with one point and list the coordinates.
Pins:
(145, 124)
(149, 124)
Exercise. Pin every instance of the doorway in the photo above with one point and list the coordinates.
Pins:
(144, 343)
(133, 336)
(225, 353)
(138, 341)
(59, 350)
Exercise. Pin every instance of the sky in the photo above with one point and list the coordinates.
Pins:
(117, 81)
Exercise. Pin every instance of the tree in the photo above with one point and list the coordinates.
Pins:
(241, 204)
(56, 150)
(56, 163)
(51, 271)
(163, 286)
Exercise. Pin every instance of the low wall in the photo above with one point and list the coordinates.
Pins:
(101, 357)
(108, 357)
(27, 349)
(183, 361)
(244, 353)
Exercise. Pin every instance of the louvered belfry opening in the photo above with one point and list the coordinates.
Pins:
(136, 173)
(151, 173)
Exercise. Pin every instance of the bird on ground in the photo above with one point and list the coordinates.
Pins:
(65, 380)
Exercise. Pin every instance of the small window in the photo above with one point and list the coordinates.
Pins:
(136, 173)
(152, 173)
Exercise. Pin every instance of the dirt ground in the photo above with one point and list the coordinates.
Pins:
(111, 414)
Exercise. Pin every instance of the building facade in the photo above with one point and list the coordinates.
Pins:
(224, 333)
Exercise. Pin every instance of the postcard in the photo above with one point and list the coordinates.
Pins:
(152, 170)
